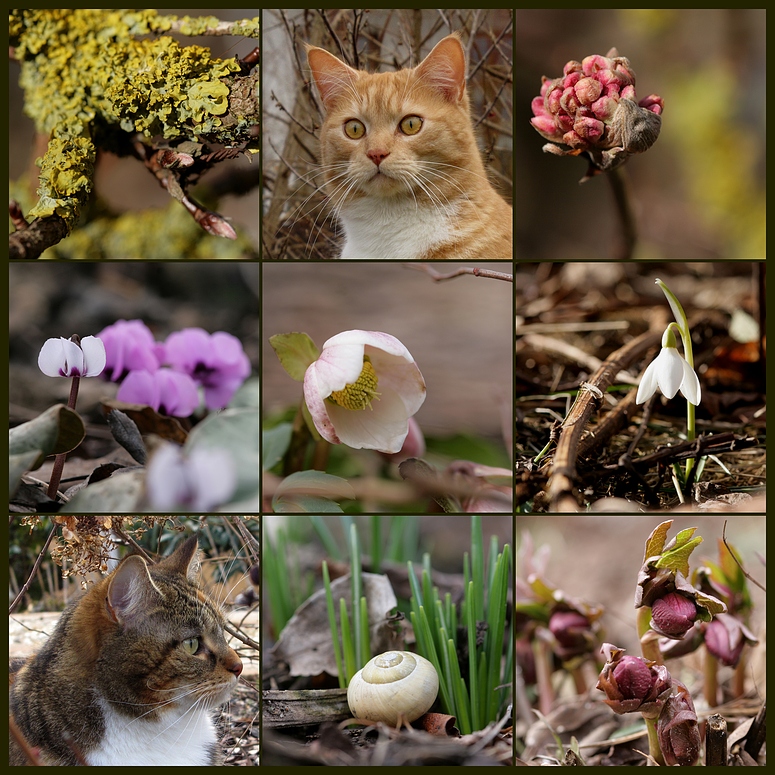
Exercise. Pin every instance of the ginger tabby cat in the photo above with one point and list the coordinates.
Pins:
(131, 672)
(403, 170)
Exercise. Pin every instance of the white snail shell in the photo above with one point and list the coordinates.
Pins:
(394, 684)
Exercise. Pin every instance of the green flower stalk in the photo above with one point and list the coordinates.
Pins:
(670, 372)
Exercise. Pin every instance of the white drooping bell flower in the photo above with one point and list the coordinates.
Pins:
(670, 372)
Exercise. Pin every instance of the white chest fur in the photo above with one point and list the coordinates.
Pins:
(394, 228)
(176, 739)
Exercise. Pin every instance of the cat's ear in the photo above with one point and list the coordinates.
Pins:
(185, 560)
(130, 591)
(444, 69)
(333, 77)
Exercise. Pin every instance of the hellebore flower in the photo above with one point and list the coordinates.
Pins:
(216, 361)
(166, 391)
(673, 615)
(200, 481)
(593, 108)
(64, 358)
(633, 683)
(725, 637)
(129, 346)
(573, 633)
(362, 390)
(677, 730)
(669, 372)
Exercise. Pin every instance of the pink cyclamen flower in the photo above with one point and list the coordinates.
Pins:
(63, 358)
(166, 391)
(129, 346)
(200, 481)
(593, 108)
(362, 390)
(216, 361)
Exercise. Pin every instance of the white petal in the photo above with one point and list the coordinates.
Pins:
(383, 427)
(648, 383)
(51, 360)
(670, 371)
(93, 356)
(690, 387)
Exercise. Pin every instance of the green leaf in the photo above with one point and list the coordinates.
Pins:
(311, 492)
(120, 493)
(656, 541)
(274, 444)
(18, 465)
(235, 430)
(296, 352)
(54, 432)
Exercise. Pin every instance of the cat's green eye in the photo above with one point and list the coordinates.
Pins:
(354, 129)
(411, 125)
(191, 645)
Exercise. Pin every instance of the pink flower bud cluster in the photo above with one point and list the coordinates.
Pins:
(593, 108)
(167, 376)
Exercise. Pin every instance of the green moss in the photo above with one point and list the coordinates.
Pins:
(86, 76)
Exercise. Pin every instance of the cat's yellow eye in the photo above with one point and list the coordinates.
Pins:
(411, 125)
(354, 129)
(191, 645)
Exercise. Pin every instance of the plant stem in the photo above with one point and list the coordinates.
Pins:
(711, 679)
(59, 461)
(654, 749)
(628, 235)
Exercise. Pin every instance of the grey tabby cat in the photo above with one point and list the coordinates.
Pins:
(131, 673)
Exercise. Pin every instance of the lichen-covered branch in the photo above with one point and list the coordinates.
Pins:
(90, 83)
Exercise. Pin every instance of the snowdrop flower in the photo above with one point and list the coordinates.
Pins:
(166, 391)
(669, 372)
(64, 358)
(362, 390)
(216, 361)
(200, 481)
(129, 346)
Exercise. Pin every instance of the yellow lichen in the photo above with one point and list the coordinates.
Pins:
(87, 78)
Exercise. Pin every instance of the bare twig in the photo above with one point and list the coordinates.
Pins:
(472, 270)
(739, 564)
(33, 572)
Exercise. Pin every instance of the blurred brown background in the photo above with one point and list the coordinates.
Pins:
(699, 192)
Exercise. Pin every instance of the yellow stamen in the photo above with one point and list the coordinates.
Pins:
(360, 393)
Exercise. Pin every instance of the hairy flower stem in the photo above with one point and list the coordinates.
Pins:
(628, 236)
(59, 461)
(710, 688)
(655, 751)
(543, 658)
(649, 640)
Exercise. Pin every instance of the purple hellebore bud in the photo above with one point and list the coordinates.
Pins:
(573, 633)
(725, 637)
(677, 730)
(64, 358)
(129, 346)
(673, 615)
(633, 683)
(592, 107)
(166, 391)
(216, 361)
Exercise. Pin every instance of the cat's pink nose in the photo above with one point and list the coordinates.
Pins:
(234, 664)
(378, 156)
